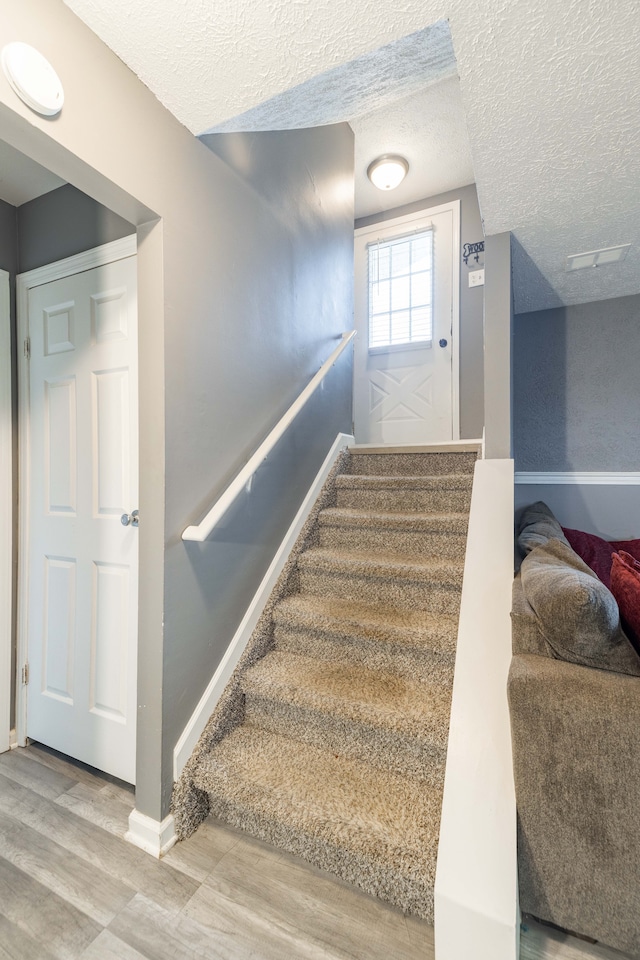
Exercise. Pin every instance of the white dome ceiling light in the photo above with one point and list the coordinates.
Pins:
(33, 78)
(388, 171)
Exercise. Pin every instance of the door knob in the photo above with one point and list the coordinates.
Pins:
(130, 518)
(442, 342)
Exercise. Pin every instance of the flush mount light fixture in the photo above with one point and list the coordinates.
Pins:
(387, 172)
(33, 78)
(597, 258)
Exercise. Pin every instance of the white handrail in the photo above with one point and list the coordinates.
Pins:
(201, 531)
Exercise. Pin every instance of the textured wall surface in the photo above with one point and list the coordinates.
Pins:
(549, 89)
(576, 387)
(471, 305)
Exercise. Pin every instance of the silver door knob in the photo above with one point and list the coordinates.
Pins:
(130, 518)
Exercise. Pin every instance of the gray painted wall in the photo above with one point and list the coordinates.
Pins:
(576, 387)
(234, 319)
(296, 236)
(609, 510)
(62, 223)
(498, 326)
(471, 303)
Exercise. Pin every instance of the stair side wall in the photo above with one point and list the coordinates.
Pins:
(189, 805)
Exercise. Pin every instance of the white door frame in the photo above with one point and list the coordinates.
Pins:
(6, 512)
(454, 207)
(99, 256)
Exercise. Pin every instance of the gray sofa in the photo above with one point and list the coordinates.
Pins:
(574, 695)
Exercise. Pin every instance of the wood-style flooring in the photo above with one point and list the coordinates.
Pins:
(72, 888)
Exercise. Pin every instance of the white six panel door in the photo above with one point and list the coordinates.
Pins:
(83, 563)
(404, 395)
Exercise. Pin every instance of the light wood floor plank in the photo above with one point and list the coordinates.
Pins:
(89, 889)
(79, 772)
(107, 946)
(37, 777)
(226, 936)
(102, 809)
(56, 925)
(16, 944)
(119, 859)
(198, 859)
(65, 870)
(310, 902)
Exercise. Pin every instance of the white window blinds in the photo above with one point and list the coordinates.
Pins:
(401, 290)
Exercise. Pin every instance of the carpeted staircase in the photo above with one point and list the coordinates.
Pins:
(331, 739)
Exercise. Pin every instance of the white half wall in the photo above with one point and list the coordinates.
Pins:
(476, 891)
(605, 504)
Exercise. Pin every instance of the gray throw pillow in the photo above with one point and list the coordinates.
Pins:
(536, 525)
(577, 615)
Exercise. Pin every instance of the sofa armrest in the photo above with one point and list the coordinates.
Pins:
(576, 746)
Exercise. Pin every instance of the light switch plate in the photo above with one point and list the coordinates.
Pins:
(476, 278)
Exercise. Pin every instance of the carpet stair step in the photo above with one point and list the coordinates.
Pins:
(392, 494)
(392, 722)
(432, 586)
(436, 534)
(370, 827)
(414, 644)
(411, 463)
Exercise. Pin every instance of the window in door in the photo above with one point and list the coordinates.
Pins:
(400, 291)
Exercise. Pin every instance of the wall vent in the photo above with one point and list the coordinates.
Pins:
(597, 258)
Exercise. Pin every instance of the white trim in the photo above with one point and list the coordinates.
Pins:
(152, 836)
(454, 207)
(6, 512)
(200, 717)
(199, 532)
(476, 889)
(97, 257)
(444, 446)
(579, 477)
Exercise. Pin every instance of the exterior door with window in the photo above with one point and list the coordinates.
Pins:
(406, 317)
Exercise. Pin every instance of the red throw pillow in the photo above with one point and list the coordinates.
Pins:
(597, 552)
(625, 586)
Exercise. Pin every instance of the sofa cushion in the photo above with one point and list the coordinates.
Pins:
(577, 615)
(597, 553)
(625, 586)
(536, 526)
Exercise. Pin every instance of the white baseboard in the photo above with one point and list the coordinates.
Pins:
(150, 835)
(200, 717)
(578, 477)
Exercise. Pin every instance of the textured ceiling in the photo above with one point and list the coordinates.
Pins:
(21, 179)
(549, 89)
(429, 130)
(372, 81)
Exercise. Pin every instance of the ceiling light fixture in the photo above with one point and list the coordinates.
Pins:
(33, 78)
(387, 172)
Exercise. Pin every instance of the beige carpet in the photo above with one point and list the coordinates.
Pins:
(331, 738)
